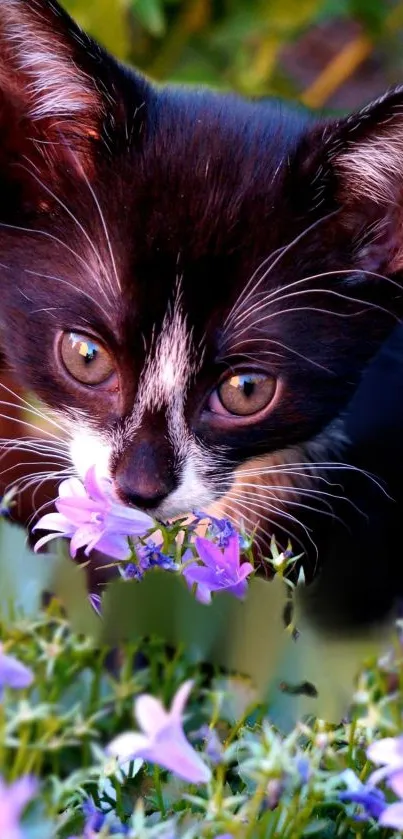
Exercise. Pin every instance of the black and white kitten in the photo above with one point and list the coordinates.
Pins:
(193, 281)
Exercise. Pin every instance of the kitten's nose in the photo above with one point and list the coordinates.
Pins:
(144, 477)
(143, 500)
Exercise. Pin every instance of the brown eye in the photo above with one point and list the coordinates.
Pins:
(86, 360)
(244, 394)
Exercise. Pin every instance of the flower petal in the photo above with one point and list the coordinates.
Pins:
(395, 781)
(128, 745)
(21, 792)
(150, 714)
(98, 488)
(392, 816)
(203, 594)
(209, 553)
(114, 545)
(54, 521)
(13, 673)
(238, 589)
(231, 555)
(83, 536)
(180, 699)
(172, 751)
(129, 520)
(205, 576)
(388, 751)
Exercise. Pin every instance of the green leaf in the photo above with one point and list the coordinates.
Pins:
(24, 576)
(243, 636)
(151, 15)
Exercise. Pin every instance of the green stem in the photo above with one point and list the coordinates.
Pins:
(158, 791)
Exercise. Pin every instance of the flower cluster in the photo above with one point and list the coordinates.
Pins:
(91, 517)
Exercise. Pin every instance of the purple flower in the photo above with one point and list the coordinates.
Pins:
(96, 821)
(130, 571)
(162, 739)
(303, 768)
(151, 556)
(13, 674)
(222, 571)
(370, 798)
(89, 515)
(13, 800)
(388, 751)
(219, 530)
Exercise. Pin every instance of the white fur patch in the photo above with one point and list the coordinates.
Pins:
(88, 449)
(55, 86)
(192, 493)
(168, 368)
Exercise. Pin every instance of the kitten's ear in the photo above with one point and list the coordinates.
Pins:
(366, 150)
(56, 84)
(360, 167)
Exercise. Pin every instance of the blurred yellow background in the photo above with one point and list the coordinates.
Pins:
(328, 53)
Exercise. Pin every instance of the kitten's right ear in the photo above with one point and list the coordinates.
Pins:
(57, 87)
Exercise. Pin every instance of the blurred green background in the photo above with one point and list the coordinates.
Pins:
(332, 54)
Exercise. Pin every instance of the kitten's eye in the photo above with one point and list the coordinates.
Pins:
(86, 360)
(243, 395)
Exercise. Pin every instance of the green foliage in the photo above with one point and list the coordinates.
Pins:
(236, 44)
(83, 691)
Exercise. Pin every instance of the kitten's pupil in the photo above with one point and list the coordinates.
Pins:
(86, 348)
(248, 385)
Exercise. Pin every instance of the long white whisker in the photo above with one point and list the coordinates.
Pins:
(70, 214)
(345, 297)
(242, 299)
(104, 225)
(52, 237)
(32, 409)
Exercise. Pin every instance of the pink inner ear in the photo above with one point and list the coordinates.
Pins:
(42, 62)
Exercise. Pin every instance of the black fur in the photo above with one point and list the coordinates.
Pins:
(199, 189)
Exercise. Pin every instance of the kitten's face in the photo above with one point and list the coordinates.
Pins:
(185, 276)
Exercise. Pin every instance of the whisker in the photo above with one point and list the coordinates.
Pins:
(269, 352)
(70, 214)
(52, 237)
(63, 281)
(32, 408)
(345, 297)
(104, 225)
(281, 252)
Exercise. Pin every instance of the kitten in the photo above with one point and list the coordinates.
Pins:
(192, 282)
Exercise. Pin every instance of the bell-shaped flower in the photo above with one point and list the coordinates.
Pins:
(162, 739)
(89, 514)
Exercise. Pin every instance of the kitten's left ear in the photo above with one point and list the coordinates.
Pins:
(366, 150)
(361, 169)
